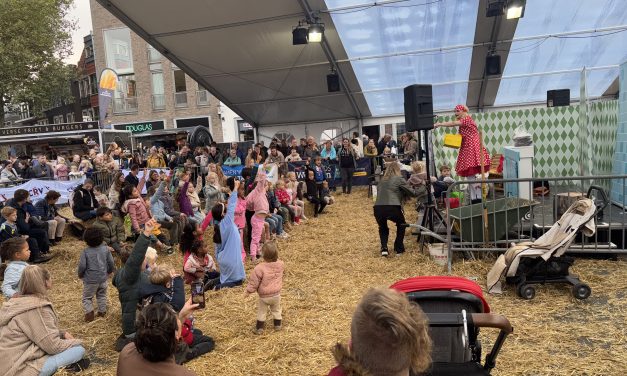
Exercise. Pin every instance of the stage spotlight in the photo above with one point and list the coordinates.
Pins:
(495, 8)
(515, 9)
(299, 35)
(316, 31)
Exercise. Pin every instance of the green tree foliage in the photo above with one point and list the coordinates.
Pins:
(35, 37)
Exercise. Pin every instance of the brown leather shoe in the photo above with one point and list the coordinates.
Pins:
(89, 316)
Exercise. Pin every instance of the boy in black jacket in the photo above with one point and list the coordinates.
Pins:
(127, 280)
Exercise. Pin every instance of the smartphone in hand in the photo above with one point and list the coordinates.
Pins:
(198, 294)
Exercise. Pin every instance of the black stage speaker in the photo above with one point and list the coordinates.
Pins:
(418, 107)
(333, 82)
(555, 98)
(493, 65)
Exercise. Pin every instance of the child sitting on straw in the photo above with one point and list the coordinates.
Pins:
(15, 253)
(166, 286)
(389, 336)
(200, 266)
(267, 280)
(326, 193)
(95, 266)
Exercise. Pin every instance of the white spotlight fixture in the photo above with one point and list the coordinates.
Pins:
(515, 9)
(316, 32)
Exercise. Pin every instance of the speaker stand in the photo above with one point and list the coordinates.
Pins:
(431, 211)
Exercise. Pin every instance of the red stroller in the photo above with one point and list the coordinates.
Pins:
(456, 310)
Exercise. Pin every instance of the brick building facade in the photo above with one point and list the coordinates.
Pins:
(152, 91)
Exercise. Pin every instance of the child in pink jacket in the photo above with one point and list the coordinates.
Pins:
(267, 280)
(258, 202)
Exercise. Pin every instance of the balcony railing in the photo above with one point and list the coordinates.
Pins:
(202, 98)
(158, 102)
(124, 105)
(180, 99)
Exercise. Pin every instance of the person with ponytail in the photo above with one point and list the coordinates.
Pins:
(228, 242)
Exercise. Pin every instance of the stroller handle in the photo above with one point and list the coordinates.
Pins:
(490, 320)
(601, 191)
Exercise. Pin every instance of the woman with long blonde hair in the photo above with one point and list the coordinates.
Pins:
(32, 343)
(392, 191)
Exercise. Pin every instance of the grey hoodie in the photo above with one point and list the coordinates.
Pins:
(95, 264)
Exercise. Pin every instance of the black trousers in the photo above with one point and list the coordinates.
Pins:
(347, 179)
(385, 213)
(319, 204)
(249, 232)
(41, 237)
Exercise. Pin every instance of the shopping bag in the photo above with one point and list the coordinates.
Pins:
(453, 140)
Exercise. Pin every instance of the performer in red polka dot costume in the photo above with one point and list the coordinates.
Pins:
(470, 155)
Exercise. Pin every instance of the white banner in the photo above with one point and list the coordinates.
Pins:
(38, 189)
(272, 170)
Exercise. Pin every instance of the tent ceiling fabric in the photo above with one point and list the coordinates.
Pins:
(242, 52)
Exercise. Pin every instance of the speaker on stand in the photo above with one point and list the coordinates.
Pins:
(419, 117)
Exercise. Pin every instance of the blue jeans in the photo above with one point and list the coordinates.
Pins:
(276, 223)
(62, 359)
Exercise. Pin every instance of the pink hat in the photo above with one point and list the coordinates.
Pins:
(461, 108)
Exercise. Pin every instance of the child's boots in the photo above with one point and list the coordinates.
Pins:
(259, 327)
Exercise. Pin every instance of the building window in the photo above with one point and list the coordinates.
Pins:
(180, 89)
(93, 84)
(154, 56)
(70, 117)
(119, 55)
(125, 97)
(158, 91)
(400, 130)
(89, 51)
(202, 96)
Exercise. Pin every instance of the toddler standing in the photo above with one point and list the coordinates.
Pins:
(267, 280)
(94, 267)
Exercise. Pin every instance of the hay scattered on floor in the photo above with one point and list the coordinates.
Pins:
(330, 262)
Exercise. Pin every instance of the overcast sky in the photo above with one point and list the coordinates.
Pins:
(82, 15)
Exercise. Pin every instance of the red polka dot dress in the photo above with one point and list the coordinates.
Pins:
(469, 157)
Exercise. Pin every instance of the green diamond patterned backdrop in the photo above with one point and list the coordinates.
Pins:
(555, 133)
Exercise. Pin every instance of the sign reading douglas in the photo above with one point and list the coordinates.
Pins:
(48, 128)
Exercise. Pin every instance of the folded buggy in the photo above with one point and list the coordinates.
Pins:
(541, 261)
(456, 310)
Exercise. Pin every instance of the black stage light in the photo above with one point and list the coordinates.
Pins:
(495, 8)
(299, 35)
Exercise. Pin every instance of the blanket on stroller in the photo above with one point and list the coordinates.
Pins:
(580, 216)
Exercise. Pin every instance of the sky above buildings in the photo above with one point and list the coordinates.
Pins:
(81, 14)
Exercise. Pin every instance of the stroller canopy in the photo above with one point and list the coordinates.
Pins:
(444, 283)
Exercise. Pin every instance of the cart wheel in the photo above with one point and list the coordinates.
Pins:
(526, 292)
(581, 291)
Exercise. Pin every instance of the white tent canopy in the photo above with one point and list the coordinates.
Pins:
(242, 52)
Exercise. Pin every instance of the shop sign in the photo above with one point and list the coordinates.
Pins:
(146, 126)
(48, 128)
